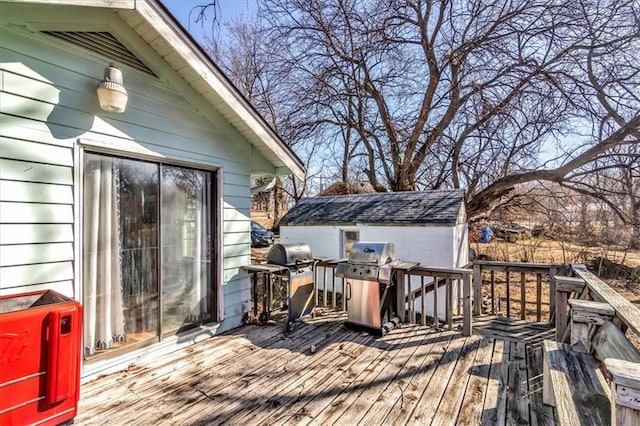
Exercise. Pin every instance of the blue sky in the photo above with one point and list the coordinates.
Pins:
(229, 9)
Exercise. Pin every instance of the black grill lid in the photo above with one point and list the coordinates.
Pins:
(289, 254)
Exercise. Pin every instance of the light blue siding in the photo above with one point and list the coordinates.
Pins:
(49, 109)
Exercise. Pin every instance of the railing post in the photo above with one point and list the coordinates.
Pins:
(477, 293)
(466, 305)
(564, 286)
(625, 391)
(584, 315)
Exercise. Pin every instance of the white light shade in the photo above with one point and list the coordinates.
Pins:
(111, 93)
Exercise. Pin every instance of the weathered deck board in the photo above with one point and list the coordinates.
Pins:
(417, 378)
(237, 383)
(433, 392)
(495, 401)
(471, 410)
(517, 405)
(259, 375)
(454, 393)
(340, 406)
(540, 414)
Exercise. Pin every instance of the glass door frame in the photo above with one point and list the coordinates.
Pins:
(215, 246)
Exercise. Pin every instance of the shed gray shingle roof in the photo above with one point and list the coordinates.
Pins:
(440, 207)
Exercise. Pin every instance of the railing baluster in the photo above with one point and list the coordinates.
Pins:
(523, 296)
(333, 293)
(423, 301)
(401, 289)
(449, 292)
(315, 280)
(552, 294)
(412, 308)
(493, 292)
(459, 293)
(324, 288)
(508, 295)
(435, 302)
(477, 290)
(342, 286)
(539, 297)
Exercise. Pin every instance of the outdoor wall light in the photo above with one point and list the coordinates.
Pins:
(111, 93)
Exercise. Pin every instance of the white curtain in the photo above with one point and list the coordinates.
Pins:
(103, 307)
(200, 294)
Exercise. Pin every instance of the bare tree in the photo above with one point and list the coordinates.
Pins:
(246, 60)
(429, 94)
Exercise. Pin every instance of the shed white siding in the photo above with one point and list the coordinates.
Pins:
(438, 246)
(324, 241)
(49, 109)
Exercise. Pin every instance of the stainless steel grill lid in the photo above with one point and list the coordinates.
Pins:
(371, 253)
(289, 254)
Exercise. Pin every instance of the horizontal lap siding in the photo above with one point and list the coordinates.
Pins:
(48, 103)
(36, 196)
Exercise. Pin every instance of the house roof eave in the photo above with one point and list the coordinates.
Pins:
(210, 82)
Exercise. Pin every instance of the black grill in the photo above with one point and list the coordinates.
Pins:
(291, 255)
(290, 267)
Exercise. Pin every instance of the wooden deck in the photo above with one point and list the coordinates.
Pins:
(259, 375)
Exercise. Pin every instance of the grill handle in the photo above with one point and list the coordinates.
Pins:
(348, 291)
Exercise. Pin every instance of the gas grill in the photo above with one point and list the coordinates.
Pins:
(296, 277)
(370, 287)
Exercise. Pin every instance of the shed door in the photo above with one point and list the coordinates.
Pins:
(347, 240)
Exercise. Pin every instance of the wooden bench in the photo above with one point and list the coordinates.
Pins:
(573, 382)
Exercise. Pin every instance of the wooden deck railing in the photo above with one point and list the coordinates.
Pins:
(435, 293)
(515, 290)
(595, 319)
(587, 286)
(417, 300)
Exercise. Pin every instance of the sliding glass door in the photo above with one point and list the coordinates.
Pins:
(147, 270)
(186, 258)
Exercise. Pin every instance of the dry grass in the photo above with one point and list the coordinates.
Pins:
(538, 250)
(619, 268)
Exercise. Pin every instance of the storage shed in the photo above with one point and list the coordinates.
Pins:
(429, 227)
(141, 212)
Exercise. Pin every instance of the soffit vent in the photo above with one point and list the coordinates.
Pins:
(103, 43)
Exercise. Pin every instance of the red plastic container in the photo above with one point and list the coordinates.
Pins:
(40, 349)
